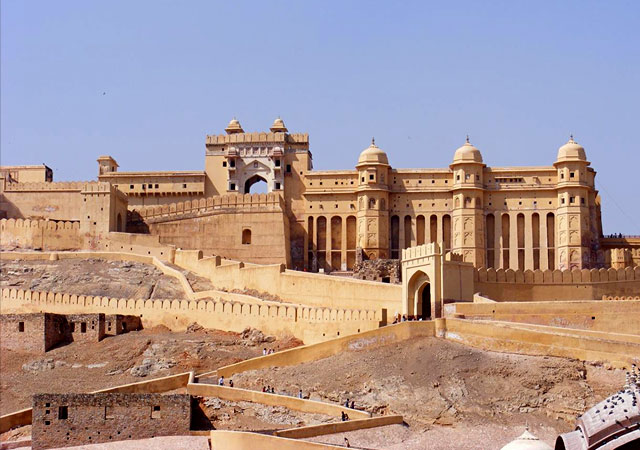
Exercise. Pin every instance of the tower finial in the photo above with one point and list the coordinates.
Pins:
(571, 137)
(373, 141)
(468, 139)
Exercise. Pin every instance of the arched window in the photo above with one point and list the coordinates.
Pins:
(246, 236)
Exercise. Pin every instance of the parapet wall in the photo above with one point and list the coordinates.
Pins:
(611, 317)
(212, 204)
(49, 186)
(43, 234)
(307, 323)
(313, 289)
(537, 285)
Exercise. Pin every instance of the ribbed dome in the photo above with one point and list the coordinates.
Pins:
(278, 126)
(467, 153)
(373, 155)
(527, 441)
(234, 127)
(571, 151)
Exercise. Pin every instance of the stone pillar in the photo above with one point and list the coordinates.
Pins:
(528, 241)
(513, 241)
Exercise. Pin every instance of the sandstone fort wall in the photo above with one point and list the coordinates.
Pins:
(251, 227)
(316, 290)
(537, 285)
(307, 323)
(43, 234)
(614, 317)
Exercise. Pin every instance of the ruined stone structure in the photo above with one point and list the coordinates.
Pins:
(40, 332)
(520, 218)
(383, 270)
(64, 420)
(34, 333)
(115, 324)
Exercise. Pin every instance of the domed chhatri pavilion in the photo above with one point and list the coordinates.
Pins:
(526, 441)
(527, 218)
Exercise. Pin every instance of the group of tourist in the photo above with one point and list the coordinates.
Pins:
(269, 389)
(406, 318)
(221, 381)
(266, 352)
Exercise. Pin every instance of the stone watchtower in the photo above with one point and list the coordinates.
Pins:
(575, 189)
(468, 218)
(373, 202)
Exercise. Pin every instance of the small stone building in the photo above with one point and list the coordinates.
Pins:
(36, 333)
(64, 420)
(120, 323)
(86, 327)
(39, 332)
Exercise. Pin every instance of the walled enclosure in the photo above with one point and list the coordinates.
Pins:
(63, 420)
(612, 317)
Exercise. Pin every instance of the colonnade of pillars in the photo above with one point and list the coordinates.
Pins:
(524, 241)
(409, 231)
(331, 242)
(516, 240)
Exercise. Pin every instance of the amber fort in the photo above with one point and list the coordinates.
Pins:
(509, 261)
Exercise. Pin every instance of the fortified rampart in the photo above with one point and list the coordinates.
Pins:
(307, 323)
(250, 227)
(612, 317)
(537, 285)
(43, 234)
(313, 289)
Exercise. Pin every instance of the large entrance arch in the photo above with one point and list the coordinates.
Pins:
(253, 180)
(424, 290)
(419, 296)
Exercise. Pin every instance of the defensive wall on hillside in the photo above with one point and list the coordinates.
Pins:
(307, 323)
(537, 285)
(294, 286)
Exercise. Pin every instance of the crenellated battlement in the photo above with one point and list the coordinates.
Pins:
(257, 137)
(556, 276)
(215, 203)
(52, 186)
(421, 251)
(40, 224)
(283, 312)
(620, 297)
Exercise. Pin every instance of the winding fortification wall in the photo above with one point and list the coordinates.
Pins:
(307, 323)
(42, 234)
(537, 285)
(312, 289)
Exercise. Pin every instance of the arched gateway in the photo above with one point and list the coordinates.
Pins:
(432, 278)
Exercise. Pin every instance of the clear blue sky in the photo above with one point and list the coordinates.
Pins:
(517, 76)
